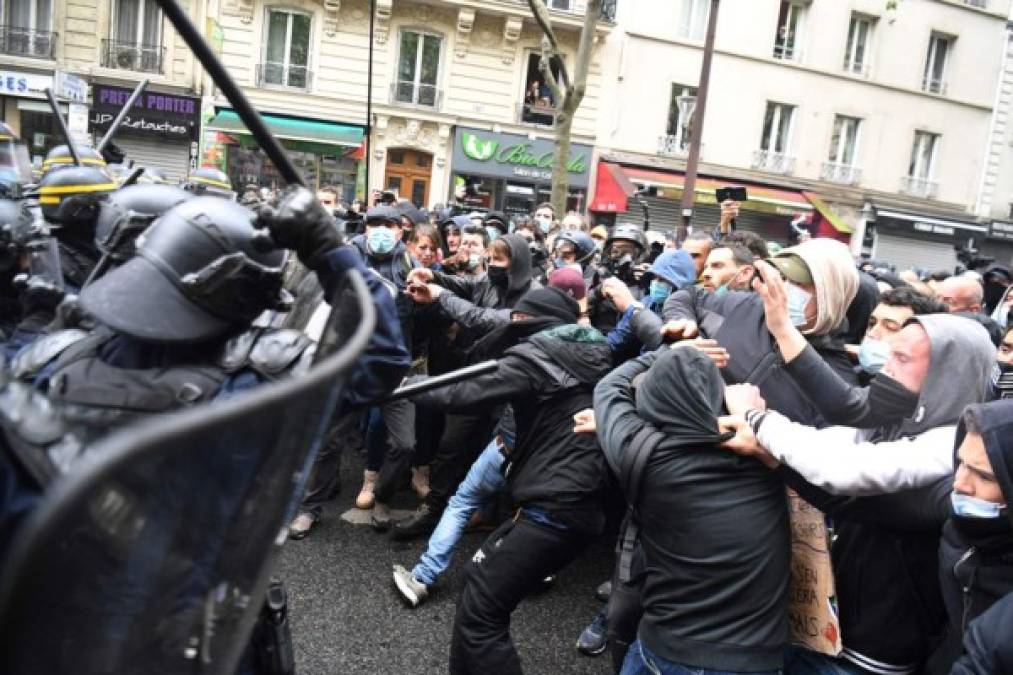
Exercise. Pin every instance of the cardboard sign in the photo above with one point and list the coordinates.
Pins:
(812, 601)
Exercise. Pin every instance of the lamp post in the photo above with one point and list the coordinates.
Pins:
(698, 109)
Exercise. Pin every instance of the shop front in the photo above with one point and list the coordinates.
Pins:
(622, 191)
(922, 241)
(999, 242)
(161, 130)
(25, 109)
(327, 153)
(513, 173)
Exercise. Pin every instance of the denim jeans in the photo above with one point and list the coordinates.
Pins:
(640, 661)
(799, 661)
(483, 481)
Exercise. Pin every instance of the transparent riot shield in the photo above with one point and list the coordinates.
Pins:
(154, 555)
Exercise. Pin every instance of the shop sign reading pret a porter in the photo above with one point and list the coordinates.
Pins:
(167, 116)
(513, 156)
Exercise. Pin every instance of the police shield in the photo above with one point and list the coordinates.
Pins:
(154, 555)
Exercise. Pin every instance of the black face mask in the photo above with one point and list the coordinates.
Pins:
(982, 531)
(1002, 381)
(890, 402)
(498, 276)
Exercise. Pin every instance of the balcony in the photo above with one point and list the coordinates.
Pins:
(273, 74)
(933, 86)
(537, 113)
(673, 146)
(579, 7)
(35, 44)
(773, 162)
(786, 52)
(919, 187)
(406, 92)
(141, 58)
(844, 174)
(856, 67)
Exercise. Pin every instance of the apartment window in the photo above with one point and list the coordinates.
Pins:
(137, 22)
(933, 81)
(923, 156)
(539, 106)
(856, 54)
(679, 128)
(26, 28)
(777, 123)
(977, 3)
(563, 5)
(790, 24)
(287, 49)
(844, 142)
(28, 14)
(418, 69)
(693, 19)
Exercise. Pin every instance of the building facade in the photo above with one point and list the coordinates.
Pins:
(860, 119)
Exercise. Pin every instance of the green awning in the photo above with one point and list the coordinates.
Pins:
(293, 129)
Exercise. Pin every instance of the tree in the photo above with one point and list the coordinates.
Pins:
(567, 93)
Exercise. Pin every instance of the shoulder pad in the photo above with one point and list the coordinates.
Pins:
(35, 356)
(236, 352)
(277, 350)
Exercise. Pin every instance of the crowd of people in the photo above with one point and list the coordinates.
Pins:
(665, 395)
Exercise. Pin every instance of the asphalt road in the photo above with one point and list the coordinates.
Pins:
(348, 619)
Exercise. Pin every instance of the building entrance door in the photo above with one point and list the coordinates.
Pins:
(409, 173)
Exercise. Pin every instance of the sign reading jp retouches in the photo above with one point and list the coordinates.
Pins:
(153, 114)
(516, 156)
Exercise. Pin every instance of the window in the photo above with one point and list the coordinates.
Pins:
(856, 53)
(790, 23)
(286, 49)
(560, 4)
(28, 14)
(977, 3)
(26, 28)
(679, 128)
(538, 107)
(137, 22)
(844, 142)
(933, 81)
(418, 69)
(777, 125)
(693, 19)
(923, 155)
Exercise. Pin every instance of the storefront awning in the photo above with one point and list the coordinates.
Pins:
(613, 189)
(828, 213)
(293, 129)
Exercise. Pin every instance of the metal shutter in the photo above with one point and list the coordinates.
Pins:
(907, 253)
(173, 158)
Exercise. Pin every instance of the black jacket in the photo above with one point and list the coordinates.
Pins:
(547, 379)
(988, 649)
(713, 525)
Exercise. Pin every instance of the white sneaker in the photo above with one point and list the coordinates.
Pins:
(300, 527)
(413, 590)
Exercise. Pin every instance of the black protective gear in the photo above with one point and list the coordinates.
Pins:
(627, 232)
(209, 181)
(299, 222)
(582, 243)
(128, 212)
(60, 158)
(71, 196)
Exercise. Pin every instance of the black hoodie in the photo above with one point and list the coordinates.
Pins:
(713, 525)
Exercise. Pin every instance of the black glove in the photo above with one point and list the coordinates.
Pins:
(38, 295)
(299, 222)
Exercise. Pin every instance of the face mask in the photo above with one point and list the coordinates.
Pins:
(722, 289)
(498, 276)
(559, 263)
(493, 233)
(873, 355)
(660, 291)
(381, 240)
(1001, 315)
(474, 260)
(890, 401)
(972, 507)
(798, 300)
(544, 224)
(1002, 381)
(599, 245)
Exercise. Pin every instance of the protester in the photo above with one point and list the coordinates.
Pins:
(425, 246)
(698, 244)
(728, 267)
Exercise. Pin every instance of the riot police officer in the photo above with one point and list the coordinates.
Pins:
(622, 257)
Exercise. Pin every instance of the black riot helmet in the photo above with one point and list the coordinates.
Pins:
(200, 273)
(626, 232)
(16, 228)
(128, 212)
(60, 158)
(71, 196)
(209, 181)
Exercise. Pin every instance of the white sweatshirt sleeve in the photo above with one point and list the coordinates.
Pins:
(837, 460)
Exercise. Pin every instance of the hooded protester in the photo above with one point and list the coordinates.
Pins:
(822, 283)
(713, 531)
(556, 477)
(669, 272)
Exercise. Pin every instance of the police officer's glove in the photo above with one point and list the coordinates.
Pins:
(70, 314)
(299, 222)
(38, 295)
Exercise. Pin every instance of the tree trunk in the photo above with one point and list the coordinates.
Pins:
(560, 171)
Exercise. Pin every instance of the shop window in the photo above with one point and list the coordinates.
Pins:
(693, 19)
(418, 69)
(934, 78)
(790, 25)
(286, 50)
(136, 42)
(856, 52)
(539, 106)
(26, 28)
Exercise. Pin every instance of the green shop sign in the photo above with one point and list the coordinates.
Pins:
(516, 156)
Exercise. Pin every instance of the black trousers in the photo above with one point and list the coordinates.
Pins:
(399, 419)
(325, 479)
(508, 566)
(464, 438)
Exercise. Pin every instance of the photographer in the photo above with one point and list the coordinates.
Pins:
(621, 258)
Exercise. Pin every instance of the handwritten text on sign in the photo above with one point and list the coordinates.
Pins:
(811, 602)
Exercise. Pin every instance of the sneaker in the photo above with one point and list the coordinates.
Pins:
(381, 517)
(593, 642)
(421, 523)
(365, 499)
(420, 481)
(301, 526)
(604, 591)
(412, 590)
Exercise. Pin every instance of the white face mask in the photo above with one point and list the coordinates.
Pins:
(798, 300)
(873, 355)
(972, 507)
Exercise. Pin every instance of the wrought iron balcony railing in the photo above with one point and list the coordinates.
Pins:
(281, 75)
(36, 44)
(919, 187)
(774, 162)
(845, 174)
(406, 92)
(136, 56)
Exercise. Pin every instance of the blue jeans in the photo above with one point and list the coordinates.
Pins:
(799, 661)
(640, 661)
(484, 480)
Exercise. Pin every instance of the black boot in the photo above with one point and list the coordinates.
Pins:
(421, 523)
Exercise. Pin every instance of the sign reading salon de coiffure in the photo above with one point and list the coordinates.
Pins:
(154, 114)
(514, 156)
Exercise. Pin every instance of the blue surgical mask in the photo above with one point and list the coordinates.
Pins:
(493, 233)
(544, 224)
(474, 260)
(660, 291)
(873, 355)
(722, 289)
(798, 300)
(972, 507)
(381, 240)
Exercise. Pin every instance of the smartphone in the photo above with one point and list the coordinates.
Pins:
(735, 194)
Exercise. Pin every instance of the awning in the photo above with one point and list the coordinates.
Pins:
(612, 189)
(931, 223)
(293, 129)
(828, 213)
